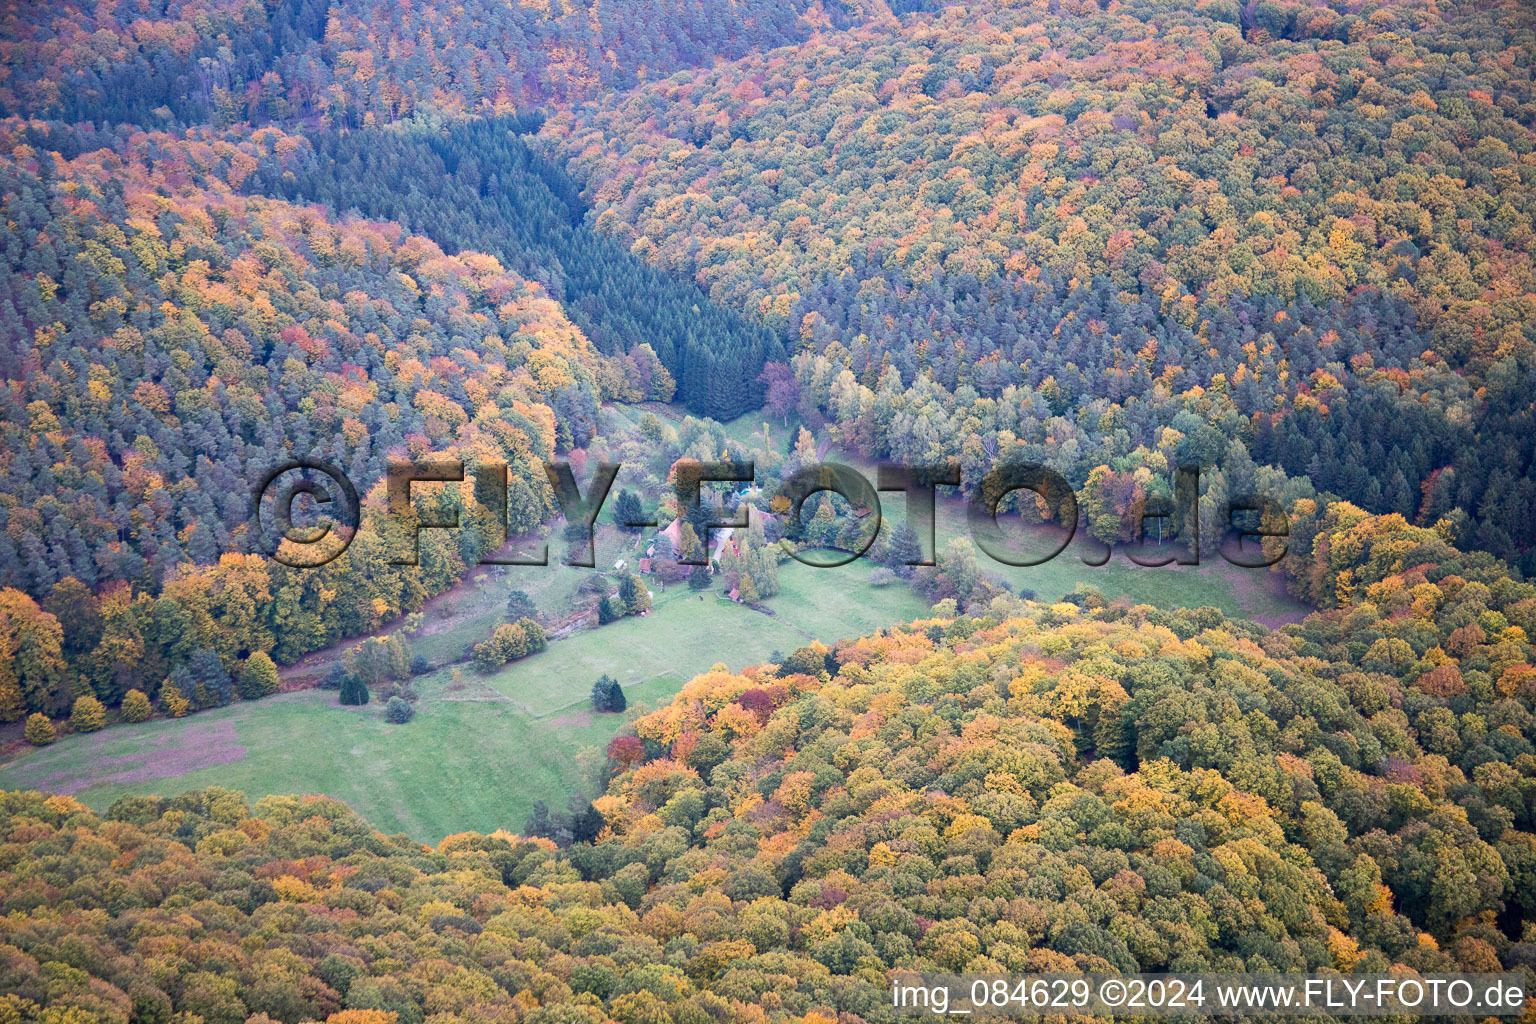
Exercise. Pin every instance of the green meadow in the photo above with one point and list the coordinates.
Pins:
(480, 749)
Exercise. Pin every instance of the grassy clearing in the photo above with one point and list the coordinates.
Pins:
(467, 761)
(480, 752)
(681, 637)
(1248, 593)
(686, 633)
(807, 596)
(748, 429)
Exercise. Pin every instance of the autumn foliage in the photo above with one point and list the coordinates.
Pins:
(1041, 788)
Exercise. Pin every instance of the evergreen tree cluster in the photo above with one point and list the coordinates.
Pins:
(632, 598)
(354, 692)
(608, 695)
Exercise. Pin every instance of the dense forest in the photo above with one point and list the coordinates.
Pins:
(167, 343)
(1303, 206)
(1290, 242)
(492, 194)
(1043, 788)
(362, 63)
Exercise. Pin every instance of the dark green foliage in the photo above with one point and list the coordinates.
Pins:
(609, 609)
(538, 821)
(627, 510)
(212, 685)
(586, 822)
(905, 548)
(398, 711)
(353, 690)
(520, 606)
(580, 822)
(608, 695)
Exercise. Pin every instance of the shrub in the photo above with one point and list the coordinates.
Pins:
(354, 691)
(881, 577)
(334, 677)
(633, 593)
(136, 706)
(520, 605)
(510, 642)
(608, 695)
(171, 699)
(487, 655)
(88, 715)
(609, 609)
(419, 665)
(40, 731)
(399, 710)
(210, 685)
(258, 677)
(534, 633)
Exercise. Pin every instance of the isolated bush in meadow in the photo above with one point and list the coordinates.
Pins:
(608, 695)
(88, 715)
(40, 731)
(136, 707)
(258, 677)
(353, 690)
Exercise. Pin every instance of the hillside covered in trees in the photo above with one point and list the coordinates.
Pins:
(167, 340)
(362, 63)
(493, 194)
(1289, 241)
(1041, 788)
(1306, 224)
